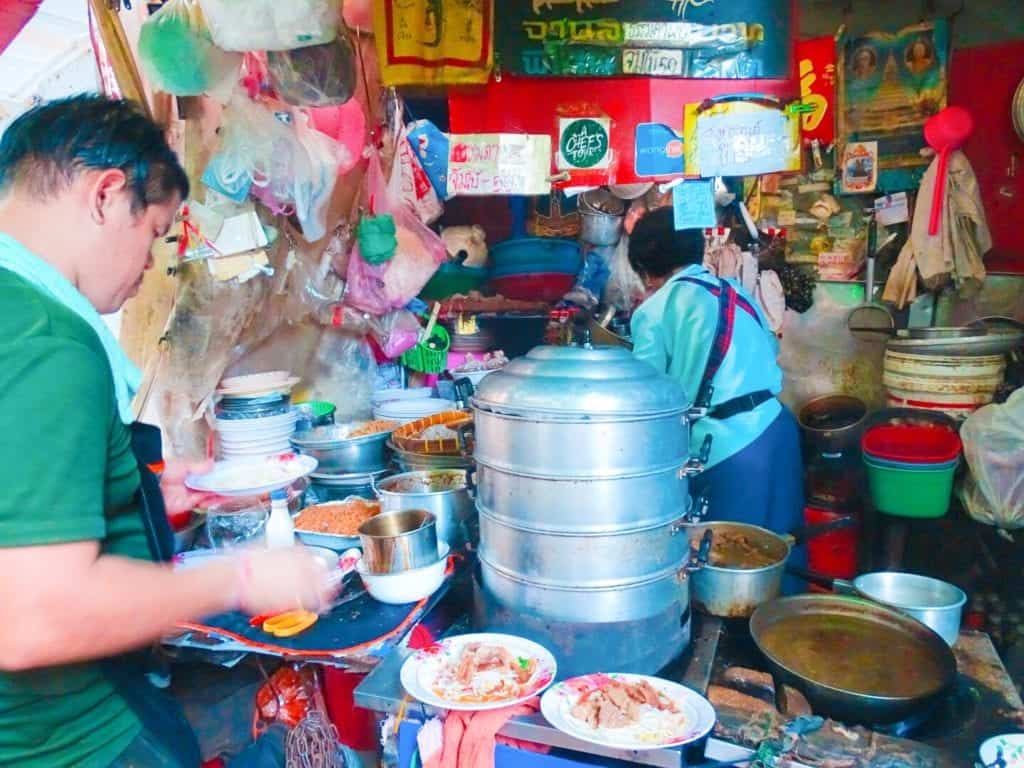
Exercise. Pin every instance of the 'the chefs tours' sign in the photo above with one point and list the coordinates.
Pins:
(583, 143)
(652, 38)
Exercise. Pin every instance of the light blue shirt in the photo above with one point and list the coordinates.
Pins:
(674, 330)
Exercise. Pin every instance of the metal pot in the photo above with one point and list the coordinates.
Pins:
(583, 505)
(552, 558)
(442, 492)
(936, 604)
(399, 541)
(737, 592)
(626, 602)
(833, 424)
(600, 228)
(599, 447)
(338, 454)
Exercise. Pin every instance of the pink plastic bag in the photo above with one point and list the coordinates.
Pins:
(382, 287)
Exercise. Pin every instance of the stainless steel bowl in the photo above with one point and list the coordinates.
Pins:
(399, 541)
(442, 492)
(339, 454)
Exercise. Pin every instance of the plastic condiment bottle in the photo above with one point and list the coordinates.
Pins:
(280, 530)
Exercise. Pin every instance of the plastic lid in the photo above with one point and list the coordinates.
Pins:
(580, 381)
(912, 443)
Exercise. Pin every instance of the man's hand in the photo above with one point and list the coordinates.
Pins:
(178, 498)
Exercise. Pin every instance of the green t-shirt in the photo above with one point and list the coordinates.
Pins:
(68, 474)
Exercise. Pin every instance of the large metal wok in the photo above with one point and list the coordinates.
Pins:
(892, 665)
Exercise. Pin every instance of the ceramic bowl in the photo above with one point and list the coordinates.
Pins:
(406, 587)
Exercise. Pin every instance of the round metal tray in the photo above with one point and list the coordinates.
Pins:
(998, 341)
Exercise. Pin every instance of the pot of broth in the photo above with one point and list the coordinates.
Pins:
(745, 565)
(854, 660)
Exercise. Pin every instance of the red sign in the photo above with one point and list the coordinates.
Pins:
(816, 68)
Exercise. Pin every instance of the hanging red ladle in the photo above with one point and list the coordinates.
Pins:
(945, 131)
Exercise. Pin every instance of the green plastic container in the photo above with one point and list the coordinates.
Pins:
(919, 493)
(423, 359)
(450, 279)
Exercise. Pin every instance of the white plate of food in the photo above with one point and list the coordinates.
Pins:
(478, 672)
(252, 477)
(634, 712)
(1009, 748)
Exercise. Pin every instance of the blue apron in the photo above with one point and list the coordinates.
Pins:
(763, 483)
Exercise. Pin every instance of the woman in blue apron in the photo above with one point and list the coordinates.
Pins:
(712, 337)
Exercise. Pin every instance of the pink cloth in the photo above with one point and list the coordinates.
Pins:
(470, 737)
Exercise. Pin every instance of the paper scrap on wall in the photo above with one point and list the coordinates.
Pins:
(499, 164)
(740, 139)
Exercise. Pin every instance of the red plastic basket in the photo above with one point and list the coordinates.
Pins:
(913, 444)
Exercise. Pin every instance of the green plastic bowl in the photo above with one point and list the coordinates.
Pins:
(919, 493)
(450, 279)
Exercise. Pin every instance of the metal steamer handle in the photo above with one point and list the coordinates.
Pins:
(699, 558)
(694, 467)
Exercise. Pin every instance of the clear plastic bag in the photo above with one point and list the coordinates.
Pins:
(344, 372)
(271, 25)
(378, 288)
(993, 439)
(177, 53)
(289, 168)
(316, 76)
(396, 332)
(624, 288)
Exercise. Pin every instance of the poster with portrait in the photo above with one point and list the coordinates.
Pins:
(889, 85)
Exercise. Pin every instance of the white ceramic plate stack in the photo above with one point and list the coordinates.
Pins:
(404, 411)
(254, 438)
(381, 396)
(254, 418)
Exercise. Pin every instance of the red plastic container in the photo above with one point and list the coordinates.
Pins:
(911, 443)
(537, 286)
(357, 727)
(831, 554)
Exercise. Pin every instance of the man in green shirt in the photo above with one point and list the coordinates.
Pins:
(86, 184)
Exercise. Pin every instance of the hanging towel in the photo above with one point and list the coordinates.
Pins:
(19, 260)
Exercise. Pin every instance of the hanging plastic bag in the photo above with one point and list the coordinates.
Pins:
(624, 288)
(410, 182)
(772, 298)
(177, 54)
(431, 147)
(316, 76)
(396, 332)
(271, 25)
(250, 137)
(312, 194)
(993, 438)
(393, 284)
(346, 124)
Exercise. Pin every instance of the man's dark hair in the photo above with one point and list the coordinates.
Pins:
(657, 248)
(44, 149)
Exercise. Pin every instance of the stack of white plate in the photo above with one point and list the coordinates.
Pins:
(248, 438)
(404, 411)
(387, 395)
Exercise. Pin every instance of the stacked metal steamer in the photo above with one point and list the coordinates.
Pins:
(581, 489)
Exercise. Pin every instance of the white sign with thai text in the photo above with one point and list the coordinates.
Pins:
(499, 164)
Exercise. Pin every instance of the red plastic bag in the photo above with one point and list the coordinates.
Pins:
(378, 288)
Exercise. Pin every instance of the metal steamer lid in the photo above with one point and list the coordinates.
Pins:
(580, 383)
